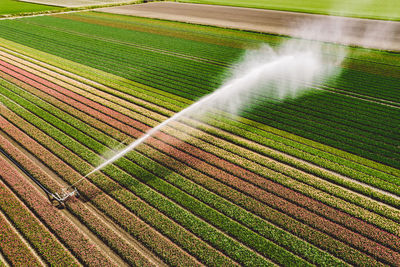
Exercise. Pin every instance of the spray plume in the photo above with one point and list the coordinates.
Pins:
(282, 73)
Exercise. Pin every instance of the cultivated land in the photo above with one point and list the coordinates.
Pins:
(382, 9)
(16, 7)
(307, 181)
(78, 3)
(359, 32)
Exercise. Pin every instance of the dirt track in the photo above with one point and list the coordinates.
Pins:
(349, 31)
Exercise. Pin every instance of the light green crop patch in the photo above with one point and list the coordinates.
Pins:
(12, 7)
(376, 9)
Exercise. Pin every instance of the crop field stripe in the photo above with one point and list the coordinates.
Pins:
(333, 178)
(265, 131)
(69, 141)
(87, 157)
(109, 205)
(33, 229)
(46, 26)
(350, 147)
(367, 134)
(125, 250)
(335, 150)
(265, 162)
(17, 49)
(79, 244)
(13, 247)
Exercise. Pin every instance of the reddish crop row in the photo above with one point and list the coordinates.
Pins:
(214, 150)
(212, 170)
(84, 249)
(13, 248)
(127, 251)
(135, 226)
(203, 168)
(200, 155)
(32, 229)
(281, 204)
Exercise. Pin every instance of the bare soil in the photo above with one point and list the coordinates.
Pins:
(377, 34)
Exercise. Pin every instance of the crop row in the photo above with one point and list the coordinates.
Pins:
(195, 224)
(78, 243)
(12, 247)
(259, 136)
(325, 139)
(305, 132)
(342, 123)
(136, 227)
(125, 250)
(63, 116)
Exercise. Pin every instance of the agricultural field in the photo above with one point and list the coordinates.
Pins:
(383, 9)
(80, 3)
(307, 181)
(8, 7)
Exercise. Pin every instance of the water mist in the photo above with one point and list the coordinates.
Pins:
(280, 73)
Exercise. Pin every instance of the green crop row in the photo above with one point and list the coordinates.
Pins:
(195, 225)
(58, 105)
(88, 96)
(170, 209)
(126, 251)
(167, 81)
(128, 221)
(169, 190)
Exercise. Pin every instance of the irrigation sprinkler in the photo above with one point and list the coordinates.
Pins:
(65, 194)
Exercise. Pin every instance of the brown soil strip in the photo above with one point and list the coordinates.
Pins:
(360, 32)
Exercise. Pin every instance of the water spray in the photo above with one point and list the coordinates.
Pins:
(283, 73)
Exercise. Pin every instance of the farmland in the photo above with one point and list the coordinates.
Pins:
(15, 7)
(312, 180)
(385, 9)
